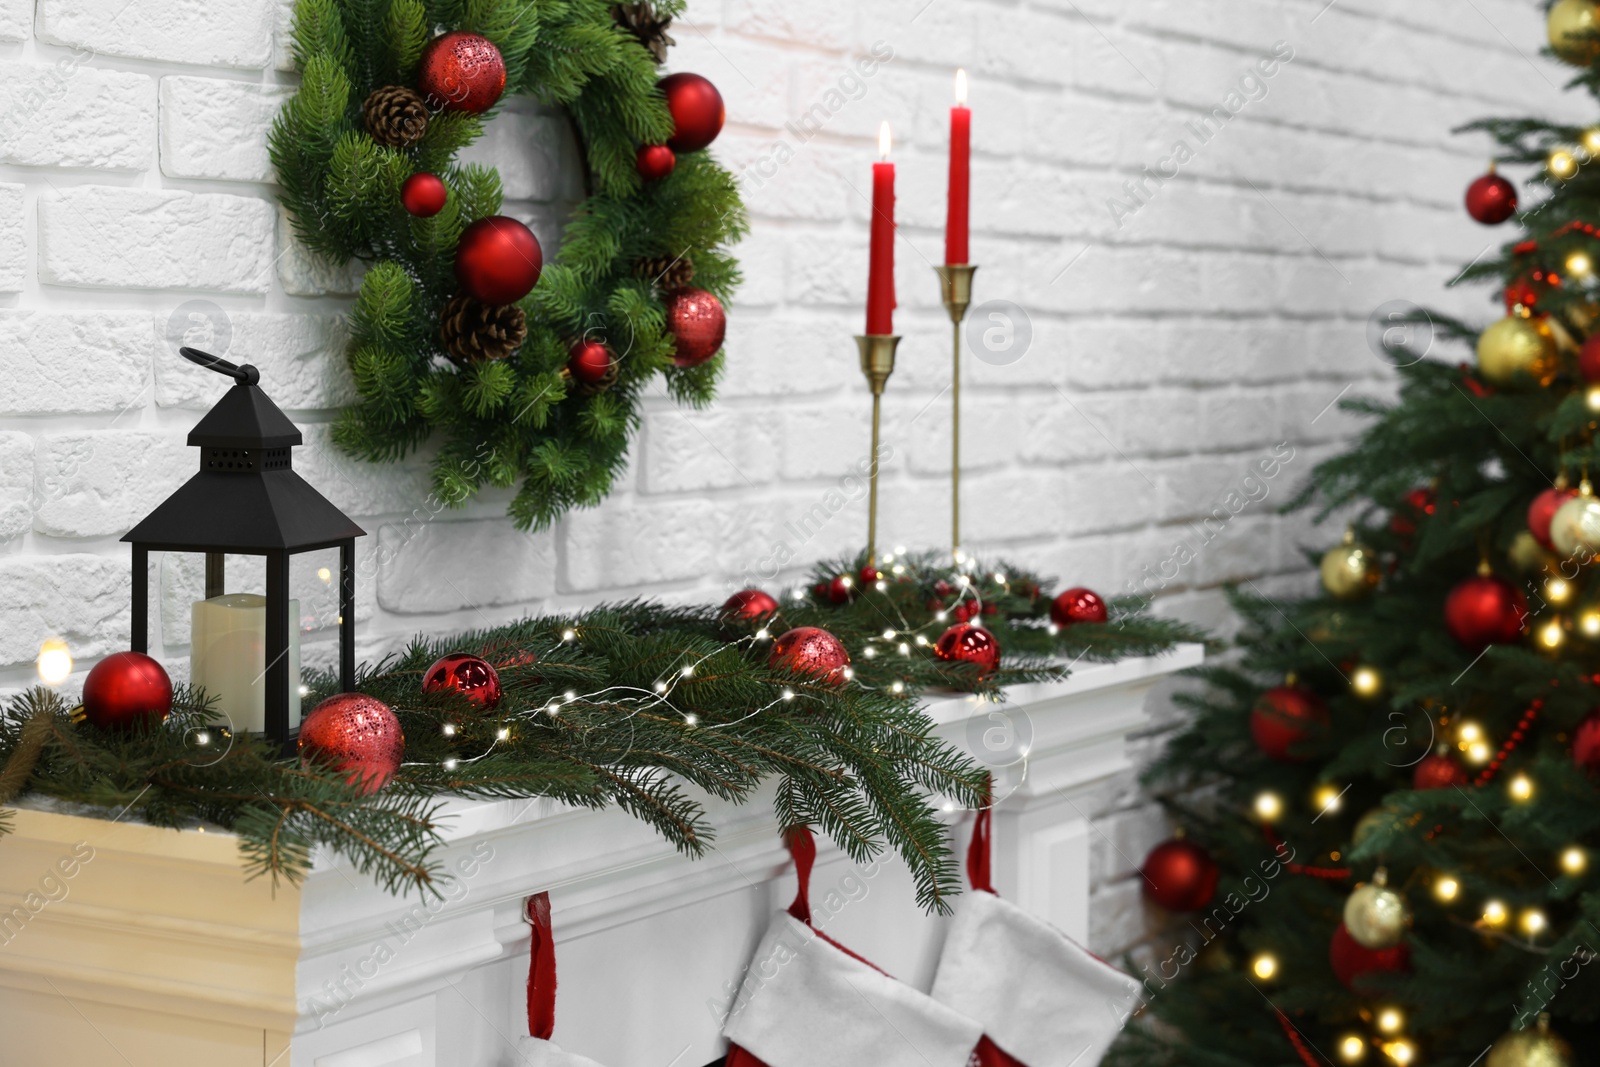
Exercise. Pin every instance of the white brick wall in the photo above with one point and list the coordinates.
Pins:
(1168, 355)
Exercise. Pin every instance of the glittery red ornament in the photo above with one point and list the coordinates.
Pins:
(965, 643)
(1586, 743)
(498, 260)
(697, 111)
(655, 161)
(1589, 359)
(127, 689)
(1438, 771)
(461, 72)
(1491, 199)
(1284, 718)
(1350, 959)
(357, 733)
(590, 361)
(1485, 610)
(1413, 507)
(698, 325)
(810, 650)
(1180, 875)
(471, 676)
(423, 195)
(1543, 509)
(749, 604)
(1077, 605)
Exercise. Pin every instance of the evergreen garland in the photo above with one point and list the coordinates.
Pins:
(517, 422)
(597, 709)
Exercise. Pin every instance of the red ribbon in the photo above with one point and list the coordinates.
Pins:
(978, 864)
(803, 847)
(541, 969)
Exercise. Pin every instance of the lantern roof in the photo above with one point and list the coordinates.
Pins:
(246, 496)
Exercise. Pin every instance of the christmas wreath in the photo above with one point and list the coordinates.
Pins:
(528, 373)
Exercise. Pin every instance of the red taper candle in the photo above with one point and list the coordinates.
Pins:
(880, 262)
(955, 223)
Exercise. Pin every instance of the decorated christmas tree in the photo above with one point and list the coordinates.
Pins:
(1389, 810)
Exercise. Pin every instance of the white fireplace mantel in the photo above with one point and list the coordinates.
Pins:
(121, 942)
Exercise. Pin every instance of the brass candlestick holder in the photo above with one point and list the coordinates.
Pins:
(877, 363)
(955, 287)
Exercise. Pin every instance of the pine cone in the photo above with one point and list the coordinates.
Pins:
(473, 331)
(667, 272)
(395, 116)
(640, 20)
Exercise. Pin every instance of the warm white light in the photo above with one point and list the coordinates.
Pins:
(961, 87)
(305, 690)
(503, 734)
(763, 635)
(898, 569)
(1401, 1052)
(690, 719)
(55, 661)
(1521, 787)
(1589, 623)
(1446, 888)
(449, 764)
(1327, 798)
(1366, 681)
(788, 694)
(1478, 752)
(898, 687)
(1352, 1049)
(1000, 578)
(1494, 913)
(888, 635)
(324, 575)
(1574, 860)
(203, 738)
(661, 687)
(1579, 264)
(1269, 806)
(1469, 732)
(870, 652)
(1551, 634)
(905, 649)
(448, 729)
(921, 640)
(1557, 590)
(1561, 164)
(1533, 922)
(1592, 397)
(848, 673)
(881, 586)
(568, 635)
(570, 695)
(883, 141)
(1264, 966)
(1390, 1020)
(687, 672)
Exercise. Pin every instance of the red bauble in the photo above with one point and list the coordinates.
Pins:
(1438, 771)
(813, 651)
(461, 72)
(697, 111)
(1586, 743)
(841, 589)
(1077, 605)
(698, 325)
(1589, 359)
(357, 733)
(965, 643)
(749, 604)
(590, 361)
(1416, 504)
(423, 195)
(498, 260)
(1284, 718)
(472, 676)
(127, 689)
(1180, 875)
(869, 575)
(1485, 610)
(655, 161)
(1543, 509)
(1351, 959)
(1491, 199)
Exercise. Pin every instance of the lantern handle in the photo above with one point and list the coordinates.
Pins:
(244, 375)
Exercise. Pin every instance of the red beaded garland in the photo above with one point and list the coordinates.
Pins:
(472, 676)
(1077, 605)
(357, 733)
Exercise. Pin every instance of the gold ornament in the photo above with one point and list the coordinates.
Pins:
(1570, 22)
(1514, 347)
(1575, 527)
(1527, 554)
(1349, 571)
(1376, 915)
(1537, 1046)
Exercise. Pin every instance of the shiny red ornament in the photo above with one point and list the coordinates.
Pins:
(498, 260)
(1485, 610)
(1491, 199)
(461, 72)
(697, 111)
(697, 323)
(869, 575)
(127, 689)
(1077, 605)
(1589, 359)
(356, 733)
(1438, 771)
(1350, 959)
(1413, 507)
(1180, 875)
(812, 651)
(751, 604)
(1286, 717)
(841, 589)
(1543, 509)
(1586, 744)
(424, 194)
(965, 643)
(655, 161)
(590, 361)
(472, 676)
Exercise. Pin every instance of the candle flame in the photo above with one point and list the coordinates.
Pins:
(961, 87)
(883, 140)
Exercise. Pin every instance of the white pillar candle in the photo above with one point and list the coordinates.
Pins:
(228, 658)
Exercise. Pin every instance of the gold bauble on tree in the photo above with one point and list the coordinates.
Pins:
(1516, 347)
(1376, 915)
(1527, 554)
(1570, 22)
(1349, 571)
(1537, 1046)
(1575, 527)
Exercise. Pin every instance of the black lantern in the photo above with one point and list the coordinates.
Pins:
(248, 499)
